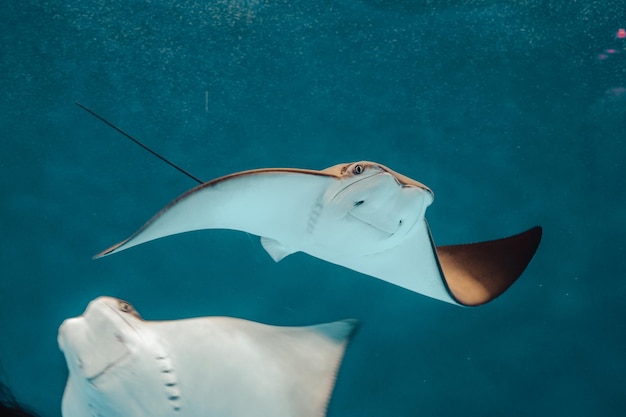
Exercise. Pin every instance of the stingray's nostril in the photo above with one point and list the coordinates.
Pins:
(358, 203)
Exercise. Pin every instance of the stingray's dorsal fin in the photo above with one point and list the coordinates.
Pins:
(479, 272)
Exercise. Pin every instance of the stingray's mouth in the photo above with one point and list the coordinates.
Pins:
(93, 379)
(387, 229)
(385, 232)
(118, 341)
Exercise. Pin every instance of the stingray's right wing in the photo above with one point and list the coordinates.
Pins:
(476, 273)
(468, 275)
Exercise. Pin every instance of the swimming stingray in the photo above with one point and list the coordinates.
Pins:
(123, 366)
(361, 215)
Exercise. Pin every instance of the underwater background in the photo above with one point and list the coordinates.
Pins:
(512, 112)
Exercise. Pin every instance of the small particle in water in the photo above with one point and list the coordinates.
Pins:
(621, 33)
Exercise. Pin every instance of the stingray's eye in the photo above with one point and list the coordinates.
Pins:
(358, 168)
(125, 307)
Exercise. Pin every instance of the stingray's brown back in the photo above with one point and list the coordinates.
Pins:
(479, 272)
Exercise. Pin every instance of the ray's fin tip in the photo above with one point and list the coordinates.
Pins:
(340, 331)
(108, 251)
(99, 255)
(354, 327)
(535, 230)
(534, 234)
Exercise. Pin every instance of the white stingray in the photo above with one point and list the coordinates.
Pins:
(361, 215)
(123, 366)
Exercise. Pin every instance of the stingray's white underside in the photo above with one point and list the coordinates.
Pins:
(373, 226)
(203, 367)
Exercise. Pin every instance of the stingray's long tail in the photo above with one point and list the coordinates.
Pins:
(162, 158)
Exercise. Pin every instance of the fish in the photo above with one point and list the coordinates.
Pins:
(361, 215)
(121, 365)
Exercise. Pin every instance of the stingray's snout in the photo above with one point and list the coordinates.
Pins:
(66, 329)
(429, 195)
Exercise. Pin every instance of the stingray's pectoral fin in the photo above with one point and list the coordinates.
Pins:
(319, 359)
(276, 249)
(479, 272)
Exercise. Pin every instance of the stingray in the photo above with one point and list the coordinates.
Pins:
(362, 215)
(122, 366)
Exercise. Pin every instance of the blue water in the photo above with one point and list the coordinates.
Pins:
(513, 112)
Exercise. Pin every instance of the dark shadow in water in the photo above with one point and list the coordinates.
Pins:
(9, 407)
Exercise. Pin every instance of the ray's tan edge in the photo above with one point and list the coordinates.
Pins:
(339, 170)
(404, 180)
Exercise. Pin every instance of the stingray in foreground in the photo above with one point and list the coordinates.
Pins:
(361, 215)
(121, 365)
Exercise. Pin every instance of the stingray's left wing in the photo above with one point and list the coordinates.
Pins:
(258, 202)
